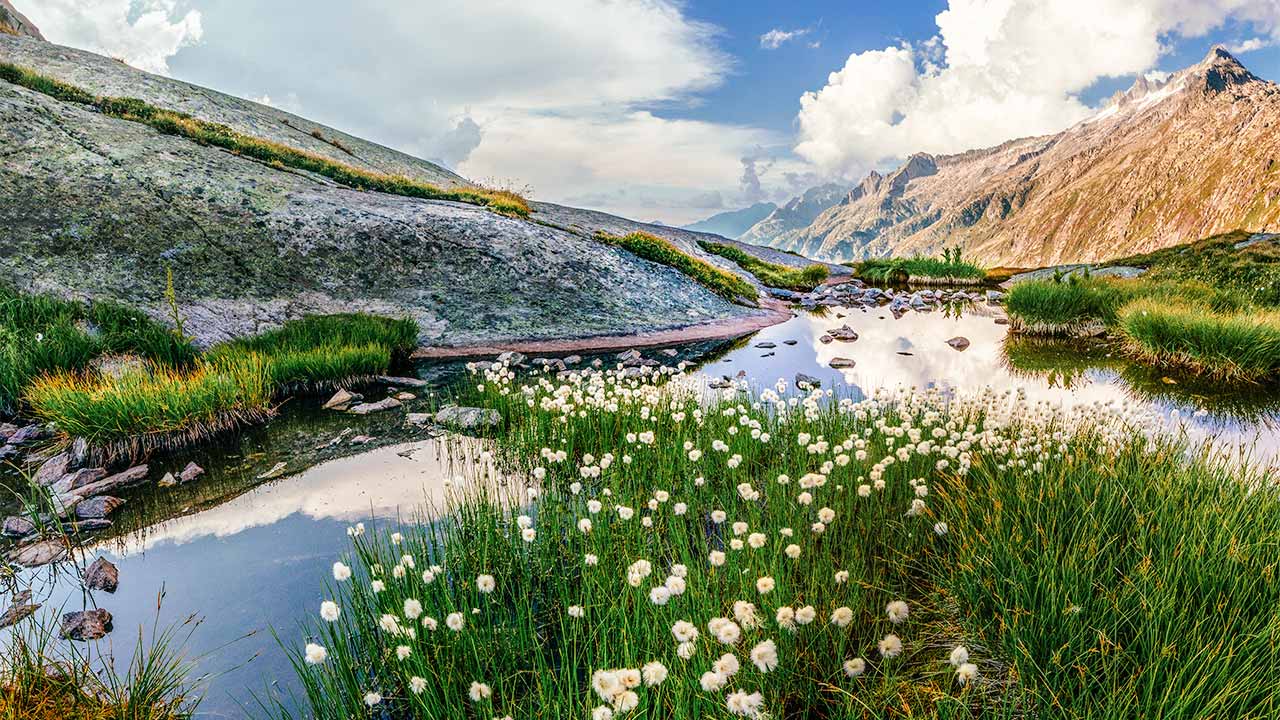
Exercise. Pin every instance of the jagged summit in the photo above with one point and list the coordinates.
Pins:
(1175, 157)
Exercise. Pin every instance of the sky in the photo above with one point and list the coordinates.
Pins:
(671, 110)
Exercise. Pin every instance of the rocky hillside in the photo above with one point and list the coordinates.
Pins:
(1168, 161)
(95, 206)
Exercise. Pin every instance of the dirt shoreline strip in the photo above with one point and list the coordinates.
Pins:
(775, 312)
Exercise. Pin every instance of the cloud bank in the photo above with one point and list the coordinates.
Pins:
(143, 33)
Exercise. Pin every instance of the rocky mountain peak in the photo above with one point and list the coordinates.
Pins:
(1220, 70)
(13, 22)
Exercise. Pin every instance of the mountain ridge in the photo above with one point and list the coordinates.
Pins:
(732, 223)
(1133, 177)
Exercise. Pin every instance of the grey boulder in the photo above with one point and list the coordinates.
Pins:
(86, 625)
(468, 418)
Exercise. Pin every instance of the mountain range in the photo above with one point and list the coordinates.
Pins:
(733, 223)
(1170, 160)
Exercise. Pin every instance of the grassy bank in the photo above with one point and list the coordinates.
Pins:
(1251, 272)
(47, 334)
(950, 267)
(153, 406)
(173, 395)
(655, 249)
(908, 555)
(219, 135)
(1185, 324)
(771, 274)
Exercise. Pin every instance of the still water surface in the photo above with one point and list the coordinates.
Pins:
(249, 555)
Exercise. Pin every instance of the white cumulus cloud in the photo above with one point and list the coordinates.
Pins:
(997, 69)
(143, 33)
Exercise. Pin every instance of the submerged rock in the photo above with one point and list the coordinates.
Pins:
(844, 333)
(86, 625)
(97, 507)
(380, 406)
(40, 553)
(17, 527)
(959, 343)
(190, 472)
(418, 419)
(361, 440)
(102, 575)
(840, 363)
(342, 399)
(401, 381)
(21, 609)
(766, 345)
(809, 381)
(468, 418)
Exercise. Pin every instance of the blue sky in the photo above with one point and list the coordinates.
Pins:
(670, 110)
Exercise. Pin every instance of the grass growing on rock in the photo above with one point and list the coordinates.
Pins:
(1251, 271)
(791, 555)
(42, 678)
(160, 405)
(655, 249)
(47, 334)
(218, 135)
(153, 405)
(771, 274)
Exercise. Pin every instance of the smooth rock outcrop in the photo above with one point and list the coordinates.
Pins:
(254, 245)
(39, 553)
(97, 507)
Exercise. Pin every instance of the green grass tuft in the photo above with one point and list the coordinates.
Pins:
(44, 334)
(771, 274)
(154, 400)
(903, 269)
(1231, 345)
(655, 249)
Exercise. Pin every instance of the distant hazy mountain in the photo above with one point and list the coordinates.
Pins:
(1165, 162)
(733, 223)
(797, 213)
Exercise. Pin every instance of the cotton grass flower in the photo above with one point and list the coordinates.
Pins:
(725, 630)
(341, 573)
(966, 673)
(712, 681)
(485, 583)
(890, 646)
(577, 611)
(654, 673)
(684, 631)
(412, 609)
(479, 691)
(764, 656)
(329, 611)
(745, 705)
(855, 667)
(897, 611)
(765, 585)
(959, 656)
(372, 698)
(417, 685)
(455, 621)
(315, 654)
(841, 617)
